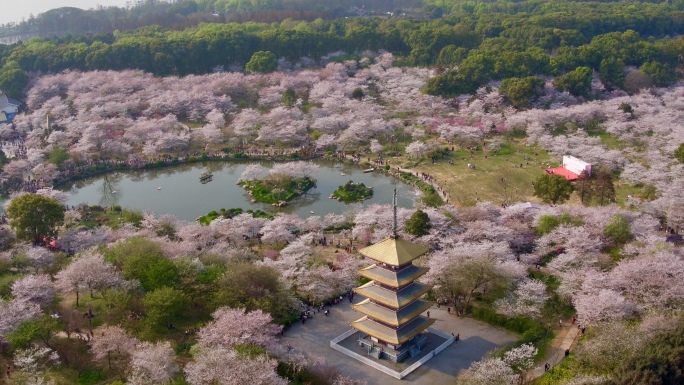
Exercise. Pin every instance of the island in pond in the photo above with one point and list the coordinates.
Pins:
(352, 192)
(278, 189)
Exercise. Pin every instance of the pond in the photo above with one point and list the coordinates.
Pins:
(177, 190)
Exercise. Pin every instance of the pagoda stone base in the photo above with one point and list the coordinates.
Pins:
(384, 351)
(396, 363)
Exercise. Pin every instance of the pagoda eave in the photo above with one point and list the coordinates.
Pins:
(393, 299)
(393, 278)
(389, 316)
(390, 335)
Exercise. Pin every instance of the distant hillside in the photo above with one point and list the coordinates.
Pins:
(178, 15)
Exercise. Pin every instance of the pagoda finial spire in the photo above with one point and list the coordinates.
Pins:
(394, 208)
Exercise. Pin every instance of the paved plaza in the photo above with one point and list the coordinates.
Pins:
(476, 338)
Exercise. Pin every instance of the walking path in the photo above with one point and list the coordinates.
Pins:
(564, 340)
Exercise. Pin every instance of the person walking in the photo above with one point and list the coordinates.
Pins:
(560, 323)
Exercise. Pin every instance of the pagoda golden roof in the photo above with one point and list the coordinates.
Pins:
(393, 278)
(393, 298)
(394, 251)
(388, 334)
(389, 316)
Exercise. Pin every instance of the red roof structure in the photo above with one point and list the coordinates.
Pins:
(564, 172)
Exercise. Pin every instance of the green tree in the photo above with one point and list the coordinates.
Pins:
(471, 275)
(662, 74)
(13, 80)
(577, 81)
(57, 156)
(419, 224)
(3, 159)
(253, 287)
(262, 61)
(585, 188)
(34, 216)
(451, 56)
(604, 190)
(618, 230)
(553, 188)
(289, 97)
(548, 223)
(164, 306)
(520, 91)
(357, 93)
(679, 153)
(43, 329)
(143, 260)
(612, 72)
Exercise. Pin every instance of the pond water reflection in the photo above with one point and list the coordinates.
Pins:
(178, 191)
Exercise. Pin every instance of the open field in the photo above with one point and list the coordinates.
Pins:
(497, 176)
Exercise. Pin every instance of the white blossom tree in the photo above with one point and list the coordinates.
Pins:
(217, 365)
(35, 360)
(153, 363)
(87, 273)
(35, 288)
(116, 345)
(232, 327)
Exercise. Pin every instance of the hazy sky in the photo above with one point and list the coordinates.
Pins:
(14, 11)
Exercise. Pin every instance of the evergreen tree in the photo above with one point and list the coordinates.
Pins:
(418, 224)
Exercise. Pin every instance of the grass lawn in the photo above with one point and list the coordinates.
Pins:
(466, 186)
(495, 177)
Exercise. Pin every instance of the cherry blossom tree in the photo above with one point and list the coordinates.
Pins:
(114, 344)
(88, 272)
(489, 371)
(153, 363)
(57, 195)
(35, 360)
(40, 257)
(652, 281)
(281, 229)
(78, 240)
(504, 370)
(252, 172)
(527, 299)
(35, 288)
(295, 169)
(416, 149)
(223, 366)
(232, 327)
(375, 146)
(14, 312)
(606, 305)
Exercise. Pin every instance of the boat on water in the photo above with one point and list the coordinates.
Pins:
(368, 170)
(205, 176)
(342, 173)
(158, 188)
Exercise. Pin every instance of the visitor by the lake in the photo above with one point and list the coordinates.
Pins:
(449, 310)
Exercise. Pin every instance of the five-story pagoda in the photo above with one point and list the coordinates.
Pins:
(392, 318)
